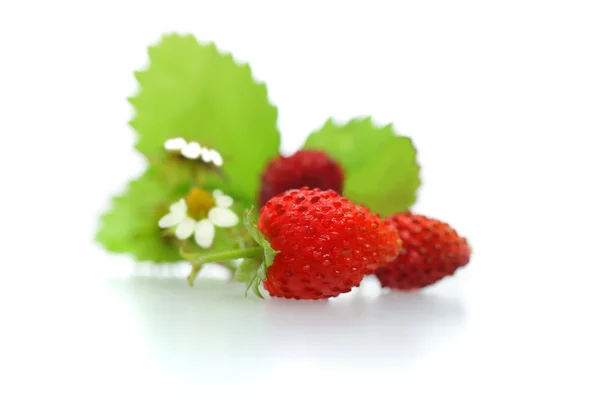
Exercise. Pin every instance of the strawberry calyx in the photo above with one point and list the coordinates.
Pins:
(256, 259)
(263, 242)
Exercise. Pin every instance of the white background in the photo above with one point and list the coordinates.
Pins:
(502, 99)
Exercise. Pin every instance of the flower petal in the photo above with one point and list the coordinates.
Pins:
(205, 154)
(191, 151)
(175, 144)
(168, 221)
(179, 209)
(223, 217)
(185, 229)
(217, 193)
(204, 233)
(224, 201)
(217, 159)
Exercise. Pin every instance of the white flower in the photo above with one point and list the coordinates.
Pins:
(204, 230)
(193, 151)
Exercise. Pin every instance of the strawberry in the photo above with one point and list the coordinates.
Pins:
(312, 244)
(311, 168)
(431, 251)
(326, 243)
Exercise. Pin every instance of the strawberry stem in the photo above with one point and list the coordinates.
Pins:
(250, 252)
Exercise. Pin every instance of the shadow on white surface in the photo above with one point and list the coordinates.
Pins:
(214, 323)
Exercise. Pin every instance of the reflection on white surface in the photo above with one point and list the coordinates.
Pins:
(153, 335)
(192, 329)
(150, 335)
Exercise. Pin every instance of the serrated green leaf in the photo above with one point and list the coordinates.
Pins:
(381, 170)
(194, 91)
(353, 143)
(131, 223)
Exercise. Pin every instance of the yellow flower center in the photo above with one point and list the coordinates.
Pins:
(199, 202)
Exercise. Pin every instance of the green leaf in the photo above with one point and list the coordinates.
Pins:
(194, 91)
(381, 170)
(131, 223)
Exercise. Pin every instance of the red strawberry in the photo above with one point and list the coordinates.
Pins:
(311, 244)
(431, 251)
(326, 243)
(311, 168)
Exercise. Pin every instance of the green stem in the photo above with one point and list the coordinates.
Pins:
(250, 252)
(196, 268)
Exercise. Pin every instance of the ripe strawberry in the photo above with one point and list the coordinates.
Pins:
(326, 243)
(431, 251)
(311, 168)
